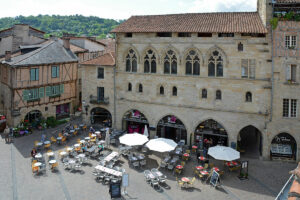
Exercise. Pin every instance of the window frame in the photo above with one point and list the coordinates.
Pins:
(204, 93)
(140, 88)
(172, 60)
(289, 108)
(213, 63)
(174, 91)
(192, 59)
(218, 95)
(131, 61)
(290, 41)
(249, 68)
(161, 90)
(55, 71)
(129, 87)
(34, 74)
(99, 69)
(152, 62)
(248, 97)
(100, 93)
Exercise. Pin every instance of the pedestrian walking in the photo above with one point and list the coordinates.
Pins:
(6, 134)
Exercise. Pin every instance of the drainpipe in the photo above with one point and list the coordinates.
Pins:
(272, 78)
(115, 95)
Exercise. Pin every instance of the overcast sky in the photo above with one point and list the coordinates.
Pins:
(120, 9)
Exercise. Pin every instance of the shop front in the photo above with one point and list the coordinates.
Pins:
(284, 146)
(210, 133)
(172, 128)
(134, 122)
(63, 111)
(101, 116)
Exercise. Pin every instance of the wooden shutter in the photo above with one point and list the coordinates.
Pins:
(288, 72)
(48, 91)
(32, 74)
(25, 95)
(53, 72)
(37, 74)
(61, 89)
(41, 92)
(57, 71)
(244, 68)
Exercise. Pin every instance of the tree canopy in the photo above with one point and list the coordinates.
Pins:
(57, 25)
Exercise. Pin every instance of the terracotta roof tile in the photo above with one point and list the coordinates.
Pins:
(76, 49)
(227, 22)
(107, 59)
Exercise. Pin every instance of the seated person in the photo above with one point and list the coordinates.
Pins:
(33, 152)
(84, 148)
(100, 147)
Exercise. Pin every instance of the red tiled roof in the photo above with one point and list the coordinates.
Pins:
(227, 22)
(107, 59)
(287, 1)
(110, 44)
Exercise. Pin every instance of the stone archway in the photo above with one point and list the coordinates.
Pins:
(101, 116)
(172, 128)
(210, 133)
(249, 142)
(283, 146)
(33, 116)
(134, 121)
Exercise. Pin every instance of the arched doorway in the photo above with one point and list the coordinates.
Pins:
(249, 142)
(33, 116)
(284, 146)
(172, 128)
(134, 121)
(101, 116)
(210, 133)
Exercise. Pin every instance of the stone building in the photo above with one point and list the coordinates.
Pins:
(198, 76)
(19, 34)
(39, 83)
(283, 130)
(98, 89)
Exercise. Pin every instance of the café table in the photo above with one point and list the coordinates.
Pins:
(101, 142)
(216, 169)
(59, 139)
(38, 156)
(204, 172)
(72, 163)
(93, 135)
(52, 162)
(82, 141)
(185, 179)
(50, 154)
(37, 164)
(81, 125)
(140, 157)
(39, 144)
(202, 158)
(72, 131)
(199, 167)
(47, 142)
(63, 154)
(76, 145)
(167, 159)
(87, 138)
(69, 149)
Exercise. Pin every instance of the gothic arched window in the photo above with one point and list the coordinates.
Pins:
(204, 94)
(131, 61)
(161, 90)
(218, 95)
(170, 63)
(150, 62)
(215, 64)
(174, 91)
(248, 97)
(192, 65)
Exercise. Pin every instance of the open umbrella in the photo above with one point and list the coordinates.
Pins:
(146, 131)
(223, 153)
(133, 139)
(161, 145)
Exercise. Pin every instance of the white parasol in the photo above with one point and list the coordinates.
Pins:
(133, 139)
(146, 131)
(223, 153)
(161, 145)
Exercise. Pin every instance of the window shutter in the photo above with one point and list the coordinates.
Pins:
(32, 75)
(37, 74)
(53, 72)
(25, 95)
(288, 72)
(48, 91)
(57, 71)
(41, 92)
(61, 88)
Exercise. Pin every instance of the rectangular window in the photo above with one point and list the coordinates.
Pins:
(100, 93)
(184, 35)
(204, 34)
(164, 34)
(53, 91)
(290, 41)
(100, 73)
(55, 71)
(128, 34)
(79, 81)
(225, 34)
(253, 35)
(289, 108)
(33, 94)
(34, 74)
(293, 72)
(248, 68)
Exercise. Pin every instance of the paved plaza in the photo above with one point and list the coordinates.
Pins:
(18, 182)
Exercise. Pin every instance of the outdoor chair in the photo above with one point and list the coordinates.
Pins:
(154, 183)
(54, 166)
(107, 179)
(36, 144)
(47, 146)
(147, 175)
(53, 140)
(63, 139)
(75, 133)
(136, 164)
(177, 171)
(60, 135)
(143, 163)
(182, 163)
(35, 169)
(170, 166)
(179, 182)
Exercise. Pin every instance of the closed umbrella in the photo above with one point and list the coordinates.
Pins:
(161, 145)
(107, 138)
(133, 139)
(223, 153)
(146, 131)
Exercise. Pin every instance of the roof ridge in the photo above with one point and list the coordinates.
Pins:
(35, 52)
(205, 13)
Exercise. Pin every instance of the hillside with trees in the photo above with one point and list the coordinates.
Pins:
(56, 24)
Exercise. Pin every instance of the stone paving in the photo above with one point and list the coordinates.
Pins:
(17, 181)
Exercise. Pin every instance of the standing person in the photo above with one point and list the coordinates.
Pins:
(33, 153)
(6, 134)
(11, 135)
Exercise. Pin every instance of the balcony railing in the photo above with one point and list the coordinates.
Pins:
(96, 100)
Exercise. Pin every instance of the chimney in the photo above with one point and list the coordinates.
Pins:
(7, 55)
(66, 43)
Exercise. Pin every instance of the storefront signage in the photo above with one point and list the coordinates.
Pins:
(214, 178)
(282, 139)
(115, 190)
